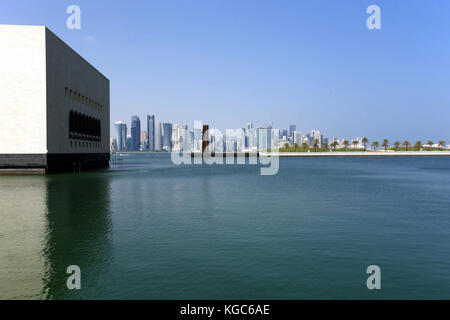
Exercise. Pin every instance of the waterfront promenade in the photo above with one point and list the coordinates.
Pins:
(358, 153)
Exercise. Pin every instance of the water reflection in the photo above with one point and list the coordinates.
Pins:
(78, 232)
(23, 213)
(49, 223)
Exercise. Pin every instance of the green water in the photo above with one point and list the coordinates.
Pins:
(151, 230)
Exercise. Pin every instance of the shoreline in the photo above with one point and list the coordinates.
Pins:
(312, 154)
(361, 154)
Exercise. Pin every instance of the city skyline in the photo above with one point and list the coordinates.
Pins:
(230, 61)
(226, 158)
(168, 136)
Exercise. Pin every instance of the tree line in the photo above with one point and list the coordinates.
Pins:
(375, 145)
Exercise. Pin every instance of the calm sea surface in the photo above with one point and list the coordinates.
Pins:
(150, 230)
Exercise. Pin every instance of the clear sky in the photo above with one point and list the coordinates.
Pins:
(311, 63)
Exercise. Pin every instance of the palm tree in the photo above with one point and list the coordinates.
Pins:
(430, 143)
(375, 145)
(334, 144)
(396, 144)
(295, 147)
(346, 144)
(355, 143)
(316, 144)
(365, 141)
(286, 146)
(406, 144)
(325, 145)
(385, 144)
(442, 144)
(418, 145)
(305, 146)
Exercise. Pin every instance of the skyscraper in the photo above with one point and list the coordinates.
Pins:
(135, 133)
(297, 137)
(144, 139)
(264, 139)
(158, 136)
(198, 127)
(292, 128)
(151, 132)
(120, 135)
(316, 135)
(176, 137)
(167, 136)
(252, 143)
(185, 139)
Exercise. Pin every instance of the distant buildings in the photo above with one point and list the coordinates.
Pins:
(316, 136)
(167, 136)
(151, 132)
(120, 129)
(144, 139)
(264, 139)
(135, 133)
(113, 145)
(198, 129)
(292, 129)
(176, 137)
(297, 138)
(158, 136)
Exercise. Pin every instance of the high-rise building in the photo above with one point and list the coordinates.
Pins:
(144, 139)
(297, 138)
(121, 135)
(191, 140)
(292, 128)
(125, 137)
(198, 135)
(264, 139)
(252, 143)
(151, 132)
(247, 130)
(113, 145)
(176, 137)
(316, 135)
(167, 136)
(135, 133)
(217, 142)
(185, 138)
(158, 136)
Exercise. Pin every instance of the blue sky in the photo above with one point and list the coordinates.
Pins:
(312, 63)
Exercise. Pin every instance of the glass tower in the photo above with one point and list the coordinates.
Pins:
(151, 132)
(167, 136)
(135, 133)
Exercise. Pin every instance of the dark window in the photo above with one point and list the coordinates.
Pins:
(84, 127)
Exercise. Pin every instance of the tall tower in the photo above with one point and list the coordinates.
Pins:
(151, 132)
(119, 129)
(167, 136)
(135, 133)
(292, 128)
(158, 135)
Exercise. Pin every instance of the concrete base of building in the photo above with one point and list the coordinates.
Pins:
(52, 163)
(22, 171)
